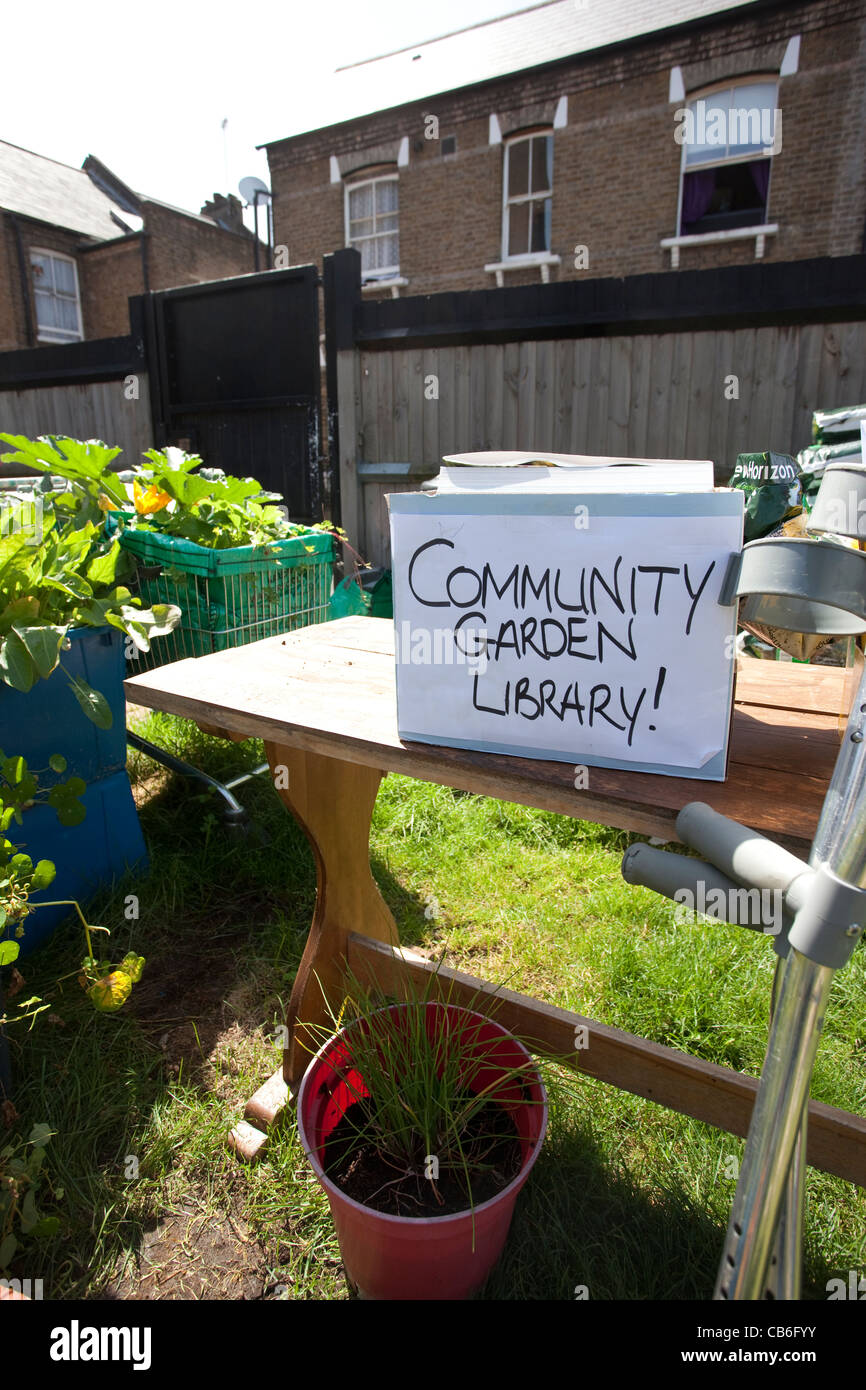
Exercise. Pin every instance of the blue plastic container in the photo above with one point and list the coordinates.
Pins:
(49, 719)
(87, 857)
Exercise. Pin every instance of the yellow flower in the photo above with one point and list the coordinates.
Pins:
(148, 499)
(104, 502)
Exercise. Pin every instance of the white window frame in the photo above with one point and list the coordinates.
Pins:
(728, 85)
(389, 273)
(524, 257)
(56, 335)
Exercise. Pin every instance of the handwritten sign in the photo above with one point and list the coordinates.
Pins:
(580, 629)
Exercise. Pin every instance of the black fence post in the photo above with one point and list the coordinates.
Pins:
(342, 289)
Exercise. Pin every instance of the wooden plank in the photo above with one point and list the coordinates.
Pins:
(447, 404)
(782, 399)
(680, 391)
(415, 408)
(543, 428)
(478, 375)
(764, 381)
(721, 405)
(660, 398)
(526, 397)
(495, 398)
(701, 398)
(431, 396)
(806, 389)
(713, 1094)
(462, 417)
(511, 383)
(599, 394)
(581, 394)
(399, 444)
(619, 404)
(563, 359)
(639, 407)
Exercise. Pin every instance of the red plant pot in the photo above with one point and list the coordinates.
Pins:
(440, 1257)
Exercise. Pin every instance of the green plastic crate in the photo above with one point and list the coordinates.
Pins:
(230, 597)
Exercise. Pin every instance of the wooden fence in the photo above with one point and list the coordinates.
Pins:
(732, 374)
(91, 390)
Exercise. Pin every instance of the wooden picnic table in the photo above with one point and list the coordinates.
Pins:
(323, 699)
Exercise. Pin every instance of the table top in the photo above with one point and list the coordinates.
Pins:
(331, 689)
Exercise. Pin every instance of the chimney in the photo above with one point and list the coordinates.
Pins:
(228, 212)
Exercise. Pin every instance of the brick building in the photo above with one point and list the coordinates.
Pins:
(76, 243)
(584, 140)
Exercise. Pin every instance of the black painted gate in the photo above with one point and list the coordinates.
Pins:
(234, 376)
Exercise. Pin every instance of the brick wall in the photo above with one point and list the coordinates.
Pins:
(616, 163)
(187, 250)
(109, 274)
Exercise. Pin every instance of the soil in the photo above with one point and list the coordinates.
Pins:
(491, 1147)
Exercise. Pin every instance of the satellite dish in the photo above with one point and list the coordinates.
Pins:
(250, 186)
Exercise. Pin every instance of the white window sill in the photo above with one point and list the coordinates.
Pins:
(394, 283)
(673, 243)
(47, 336)
(543, 259)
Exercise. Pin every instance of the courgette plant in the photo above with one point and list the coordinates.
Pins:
(60, 570)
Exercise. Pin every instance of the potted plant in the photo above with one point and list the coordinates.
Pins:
(422, 1121)
(67, 626)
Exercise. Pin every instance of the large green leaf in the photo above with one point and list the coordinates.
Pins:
(43, 875)
(103, 569)
(43, 646)
(16, 665)
(94, 705)
(8, 953)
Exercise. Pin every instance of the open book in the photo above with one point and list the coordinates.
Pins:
(515, 472)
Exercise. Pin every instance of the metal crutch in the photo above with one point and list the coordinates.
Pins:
(825, 904)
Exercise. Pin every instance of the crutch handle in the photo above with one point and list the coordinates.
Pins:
(737, 851)
(699, 887)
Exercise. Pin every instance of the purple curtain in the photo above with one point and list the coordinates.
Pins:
(698, 189)
(760, 172)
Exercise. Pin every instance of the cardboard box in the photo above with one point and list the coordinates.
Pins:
(580, 628)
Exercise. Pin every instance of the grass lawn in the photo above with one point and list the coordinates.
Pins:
(628, 1199)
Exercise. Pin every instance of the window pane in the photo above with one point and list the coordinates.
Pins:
(41, 270)
(542, 164)
(518, 168)
(752, 117)
(386, 196)
(64, 277)
(706, 131)
(386, 222)
(361, 201)
(67, 314)
(541, 226)
(46, 310)
(389, 253)
(518, 229)
(734, 121)
(363, 227)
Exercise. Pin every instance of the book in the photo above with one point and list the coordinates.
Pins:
(519, 472)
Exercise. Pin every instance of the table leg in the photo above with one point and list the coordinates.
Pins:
(333, 802)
